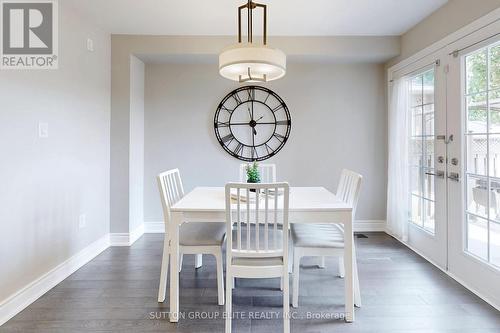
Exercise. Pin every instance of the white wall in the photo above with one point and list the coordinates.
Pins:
(136, 154)
(338, 121)
(47, 183)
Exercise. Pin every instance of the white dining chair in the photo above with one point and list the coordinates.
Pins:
(326, 239)
(194, 238)
(267, 173)
(255, 239)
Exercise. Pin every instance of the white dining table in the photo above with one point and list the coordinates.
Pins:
(306, 205)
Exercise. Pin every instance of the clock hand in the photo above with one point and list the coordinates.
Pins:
(259, 118)
(249, 113)
(254, 131)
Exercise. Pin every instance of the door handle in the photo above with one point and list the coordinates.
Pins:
(454, 176)
(438, 174)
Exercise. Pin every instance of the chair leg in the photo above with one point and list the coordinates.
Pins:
(229, 294)
(357, 292)
(164, 272)
(198, 260)
(286, 301)
(322, 262)
(220, 277)
(341, 267)
(295, 277)
(180, 261)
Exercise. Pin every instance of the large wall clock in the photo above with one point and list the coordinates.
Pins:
(252, 123)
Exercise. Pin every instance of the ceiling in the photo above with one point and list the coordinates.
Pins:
(285, 17)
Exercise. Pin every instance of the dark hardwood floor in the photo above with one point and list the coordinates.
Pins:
(117, 292)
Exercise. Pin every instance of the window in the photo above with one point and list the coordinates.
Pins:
(482, 151)
(421, 136)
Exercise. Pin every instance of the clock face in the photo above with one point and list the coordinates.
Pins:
(252, 123)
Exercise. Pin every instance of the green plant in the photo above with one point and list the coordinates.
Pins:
(253, 175)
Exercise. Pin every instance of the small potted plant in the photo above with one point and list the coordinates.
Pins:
(253, 175)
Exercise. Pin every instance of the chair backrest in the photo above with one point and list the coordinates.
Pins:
(171, 190)
(267, 173)
(349, 188)
(256, 218)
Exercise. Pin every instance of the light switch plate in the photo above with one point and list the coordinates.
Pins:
(43, 130)
(90, 45)
(82, 221)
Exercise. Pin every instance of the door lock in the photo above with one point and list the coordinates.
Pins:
(454, 161)
(440, 159)
(454, 176)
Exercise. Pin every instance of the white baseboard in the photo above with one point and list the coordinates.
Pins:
(125, 238)
(463, 283)
(359, 226)
(30, 293)
(154, 227)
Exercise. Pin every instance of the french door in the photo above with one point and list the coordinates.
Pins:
(453, 108)
(473, 104)
(426, 110)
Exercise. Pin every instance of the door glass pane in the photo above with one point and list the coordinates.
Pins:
(477, 236)
(494, 99)
(477, 196)
(495, 67)
(477, 113)
(494, 155)
(477, 159)
(495, 199)
(428, 187)
(421, 136)
(416, 152)
(476, 68)
(482, 144)
(416, 121)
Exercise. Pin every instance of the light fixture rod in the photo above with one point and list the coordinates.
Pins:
(250, 6)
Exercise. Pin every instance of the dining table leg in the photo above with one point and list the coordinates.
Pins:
(174, 265)
(349, 276)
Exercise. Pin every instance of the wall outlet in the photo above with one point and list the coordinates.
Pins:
(43, 130)
(90, 45)
(82, 221)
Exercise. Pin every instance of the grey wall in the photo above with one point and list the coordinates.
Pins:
(47, 183)
(454, 15)
(338, 121)
(352, 49)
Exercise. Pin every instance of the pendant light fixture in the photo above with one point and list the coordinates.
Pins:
(249, 62)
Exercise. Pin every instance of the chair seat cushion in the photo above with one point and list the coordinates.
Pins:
(202, 234)
(317, 235)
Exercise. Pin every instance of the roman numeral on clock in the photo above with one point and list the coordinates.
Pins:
(227, 138)
(279, 137)
(238, 149)
(221, 124)
(237, 98)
